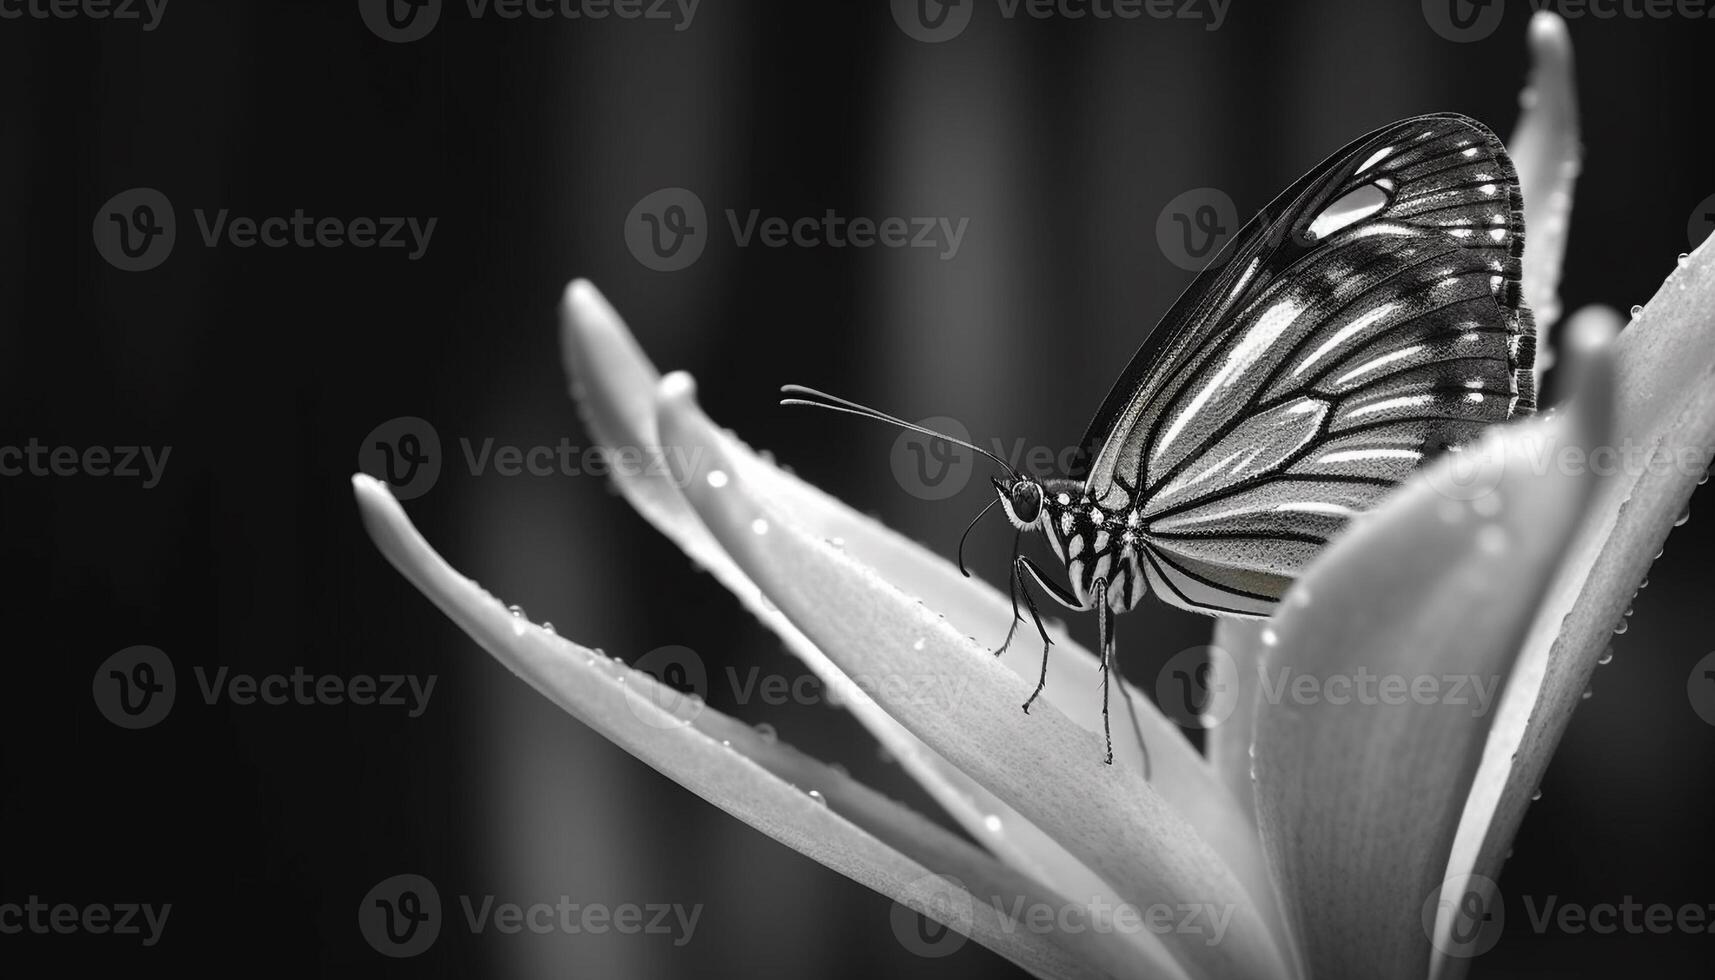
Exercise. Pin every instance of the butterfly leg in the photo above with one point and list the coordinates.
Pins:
(1016, 582)
(1105, 630)
(1021, 565)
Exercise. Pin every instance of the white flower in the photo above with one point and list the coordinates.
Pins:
(1321, 861)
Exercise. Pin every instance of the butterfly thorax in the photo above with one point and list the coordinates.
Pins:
(1097, 542)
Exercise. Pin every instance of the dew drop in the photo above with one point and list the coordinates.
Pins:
(1606, 657)
(1536, 795)
(725, 744)
(1644, 584)
(1269, 636)
(766, 732)
(1509, 855)
(818, 797)
(548, 627)
(991, 823)
(1684, 259)
(918, 645)
(1684, 516)
(1620, 627)
(837, 542)
(515, 610)
(1492, 539)
(1637, 310)
(1588, 693)
(717, 478)
(759, 526)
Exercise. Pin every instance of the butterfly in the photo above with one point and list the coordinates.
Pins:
(1366, 321)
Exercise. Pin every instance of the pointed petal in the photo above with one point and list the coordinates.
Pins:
(606, 364)
(1546, 152)
(614, 385)
(1361, 782)
(1665, 424)
(852, 829)
(951, 693)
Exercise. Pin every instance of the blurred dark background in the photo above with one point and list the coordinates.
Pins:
(530, 141)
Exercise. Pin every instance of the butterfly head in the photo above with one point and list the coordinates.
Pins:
(1021, 498)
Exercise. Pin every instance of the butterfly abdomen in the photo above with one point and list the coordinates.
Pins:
(1098, 544)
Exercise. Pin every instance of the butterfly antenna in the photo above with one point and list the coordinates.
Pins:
(800, 395)
(968, 528)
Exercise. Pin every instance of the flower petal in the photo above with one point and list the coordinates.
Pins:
(614, 385)
(1545, 151)
(1665, 423)
(609, 368)
(1228, 744)
(950, 692)
(850, 829)
(1366, 735)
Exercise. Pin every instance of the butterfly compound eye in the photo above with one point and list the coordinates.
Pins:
(1026, 501)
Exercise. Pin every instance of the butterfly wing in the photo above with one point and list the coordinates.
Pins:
(1367, 320)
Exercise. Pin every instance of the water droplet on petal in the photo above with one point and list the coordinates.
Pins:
(1492, 539)
(1637, 310)
(766, 732)
(991, 823)
(759, 526)
(1606, 657)
(837, 542)
(818, 797)
(725, 744)
(717, 478)
(1536, 795)
(1684, 259)
(1620, 627)
(1269, 638)
(549, 627)
(917, 645)
(1684, 516)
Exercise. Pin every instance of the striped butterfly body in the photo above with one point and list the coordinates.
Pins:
(1367, 320)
